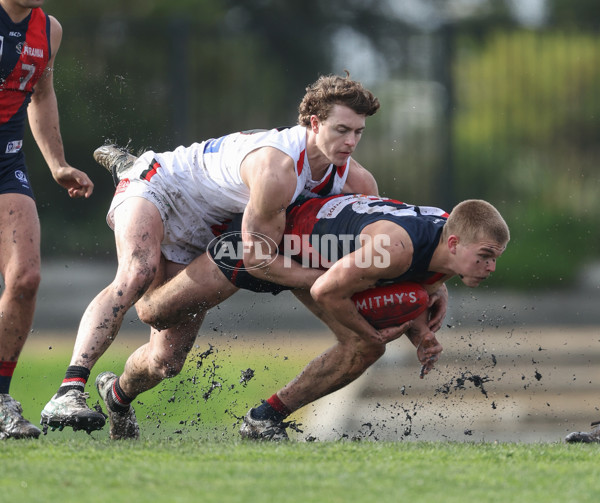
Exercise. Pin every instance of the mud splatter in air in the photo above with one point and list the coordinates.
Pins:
(460, 381)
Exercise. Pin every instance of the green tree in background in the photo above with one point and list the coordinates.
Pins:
(528, 119)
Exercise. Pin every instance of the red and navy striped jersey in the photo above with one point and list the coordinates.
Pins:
(24, 54)
(343, 217)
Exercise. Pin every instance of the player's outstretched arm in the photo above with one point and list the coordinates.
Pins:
(44, 123)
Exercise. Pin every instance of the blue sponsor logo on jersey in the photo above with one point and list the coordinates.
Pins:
(213, 145)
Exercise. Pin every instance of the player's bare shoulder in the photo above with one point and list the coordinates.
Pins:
(267, 163)
(56, 32)
(270, 176)
(360, 180)
(395, 241)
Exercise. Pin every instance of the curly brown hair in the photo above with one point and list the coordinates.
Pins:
(330, 90)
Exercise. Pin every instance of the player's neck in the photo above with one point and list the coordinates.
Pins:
(441, 260)
(16, 13)
(317, 161)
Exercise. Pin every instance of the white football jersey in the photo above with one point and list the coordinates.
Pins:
(198, 188)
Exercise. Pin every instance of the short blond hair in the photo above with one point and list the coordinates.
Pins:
(330, 90)
(473, 220)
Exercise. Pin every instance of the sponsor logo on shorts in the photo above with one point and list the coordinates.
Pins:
(122, 187)
(310, 251)
(12, 147)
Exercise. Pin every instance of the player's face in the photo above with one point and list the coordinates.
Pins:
(477, 261)
(339, 134)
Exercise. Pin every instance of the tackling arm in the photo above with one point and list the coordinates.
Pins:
(269, 174)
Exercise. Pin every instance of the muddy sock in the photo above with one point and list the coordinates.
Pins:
(273, 409)
(6, 372)
(117, 400)
(75, 378)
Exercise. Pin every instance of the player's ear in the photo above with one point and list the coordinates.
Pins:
(453, 241)
(314, 123)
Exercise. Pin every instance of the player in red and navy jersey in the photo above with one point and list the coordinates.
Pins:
(343, 218)
(348, 216)
(398, 242)
(29, 40)
(364, 241)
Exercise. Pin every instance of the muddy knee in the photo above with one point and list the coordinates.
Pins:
(148, 314)
(24, 285)
(165, 370)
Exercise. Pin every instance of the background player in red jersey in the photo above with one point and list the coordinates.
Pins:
(29, 40)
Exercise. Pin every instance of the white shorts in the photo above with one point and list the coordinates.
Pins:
(181, 199)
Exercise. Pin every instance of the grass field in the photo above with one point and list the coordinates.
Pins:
(204, 400)
(191, 452)
(187, 470)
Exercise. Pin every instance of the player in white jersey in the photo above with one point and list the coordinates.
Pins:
(154, 208)
(199, 187)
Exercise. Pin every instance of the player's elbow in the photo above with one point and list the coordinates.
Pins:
(319, 293)
(326, 299)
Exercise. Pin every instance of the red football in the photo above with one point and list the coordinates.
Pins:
(391, 305)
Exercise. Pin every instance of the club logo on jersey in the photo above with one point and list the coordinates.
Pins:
(22, 177)
(228, 250)
(12, 147)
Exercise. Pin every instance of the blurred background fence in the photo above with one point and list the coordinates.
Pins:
(480, 99)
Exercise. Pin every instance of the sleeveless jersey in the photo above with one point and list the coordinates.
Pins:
(331, 227)
(24, 54)
(198, 189)
(214, 166)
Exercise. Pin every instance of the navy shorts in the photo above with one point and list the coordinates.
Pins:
(233, 267)
(14, 178)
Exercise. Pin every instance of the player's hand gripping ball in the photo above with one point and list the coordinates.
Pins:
(391, 305)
